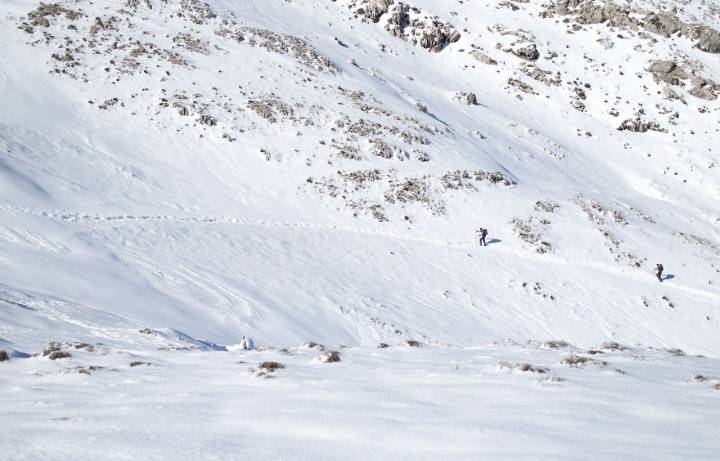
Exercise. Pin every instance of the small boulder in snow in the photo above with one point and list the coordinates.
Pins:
(330, 357)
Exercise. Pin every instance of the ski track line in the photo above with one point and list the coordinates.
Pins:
(79, 217)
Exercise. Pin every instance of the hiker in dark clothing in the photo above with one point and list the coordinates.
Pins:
(659, 268)
(482, 233)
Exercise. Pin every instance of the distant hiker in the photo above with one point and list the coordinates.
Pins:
(247, 344)
(659, 268)
(482, 234)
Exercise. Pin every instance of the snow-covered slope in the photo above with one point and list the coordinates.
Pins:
(316, 170)
(292, 170)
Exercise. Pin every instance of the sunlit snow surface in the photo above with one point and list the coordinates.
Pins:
(123, 210)
(394, 403)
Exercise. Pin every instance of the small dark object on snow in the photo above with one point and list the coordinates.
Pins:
(412, 343)
(271, 366)
(137, 363)
(4, 356)
(330, 357)
(677, 352)
(89, 370)
(54, 351)
(659, 268)
(613, 346)
(556, 344)
(58, 355)
(314, 345)
(382, 346)
(532, 368)
(577, 360)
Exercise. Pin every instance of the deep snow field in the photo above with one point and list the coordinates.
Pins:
(177, 174)
(394, 403)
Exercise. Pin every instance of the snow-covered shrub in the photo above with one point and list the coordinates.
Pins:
(524, 367)
(330, 357)
(612, 346)
(547, 206)
(577, 360)
(314, 345)
(555, 344)
(531, 368)
(54, 351)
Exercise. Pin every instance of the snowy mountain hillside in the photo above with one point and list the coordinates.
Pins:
(177, 174)
(316, 169)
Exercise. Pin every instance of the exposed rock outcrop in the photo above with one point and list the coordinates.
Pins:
(429, 33)
(520, 85)
(374, 9)
(668, 72)
(706, 38)
(637, 125)
(483, 58)
(662, 24)
(527, 51)
(610, 13)
(544, 76)
(408, 23)
(704, 88)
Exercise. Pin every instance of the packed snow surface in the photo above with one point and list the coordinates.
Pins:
(176, 174)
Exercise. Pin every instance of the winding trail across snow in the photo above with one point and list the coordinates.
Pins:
(90, 218)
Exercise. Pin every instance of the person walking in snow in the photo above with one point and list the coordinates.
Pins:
(482, 233)
(659, 268)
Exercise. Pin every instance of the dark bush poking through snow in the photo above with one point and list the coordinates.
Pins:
(525, 367)
(612, 346)
(4, 356)
(555, 344)
(532, 368)
(578, 361)
(330, 357)
(271, 366)
(54, 351)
